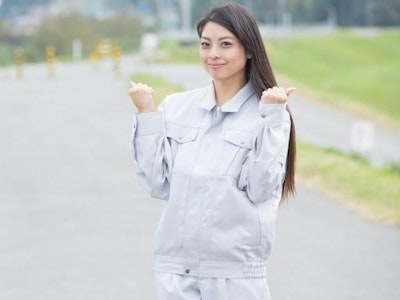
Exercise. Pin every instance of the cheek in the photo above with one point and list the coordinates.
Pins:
(203, 56)
(239, 55)
(240, 60)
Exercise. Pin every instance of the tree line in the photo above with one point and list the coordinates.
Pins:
(343, 12)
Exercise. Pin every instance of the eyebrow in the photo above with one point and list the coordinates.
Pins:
(221, 38)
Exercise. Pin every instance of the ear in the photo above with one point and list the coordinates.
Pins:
(249, 56)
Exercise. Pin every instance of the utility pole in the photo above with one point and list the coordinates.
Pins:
(158, 6)
(281, 12)
(186, 13)
(332, 16)
(369, 12)
(284, 18)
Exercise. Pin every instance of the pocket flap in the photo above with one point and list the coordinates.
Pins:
(239, 138)
(182, 134)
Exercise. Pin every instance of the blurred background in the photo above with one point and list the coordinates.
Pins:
(35, 24)
(74, 221)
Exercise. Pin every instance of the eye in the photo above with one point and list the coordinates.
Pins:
(204, 45)
(226, 44)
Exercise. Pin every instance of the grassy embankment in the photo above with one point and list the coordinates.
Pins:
(336, 74)
(356, 73)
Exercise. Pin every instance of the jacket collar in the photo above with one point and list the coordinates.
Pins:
(232, 105)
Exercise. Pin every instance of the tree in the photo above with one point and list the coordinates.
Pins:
(12, 8)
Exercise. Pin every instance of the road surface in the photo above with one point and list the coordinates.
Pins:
(75, 224)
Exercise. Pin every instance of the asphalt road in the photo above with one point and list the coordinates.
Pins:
(75, 224)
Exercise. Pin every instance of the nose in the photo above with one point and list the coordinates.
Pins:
(214, 53)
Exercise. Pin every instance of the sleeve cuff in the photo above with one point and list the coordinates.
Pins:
(271, 113)
(148, 123)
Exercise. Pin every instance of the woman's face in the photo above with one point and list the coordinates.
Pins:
(222, 54)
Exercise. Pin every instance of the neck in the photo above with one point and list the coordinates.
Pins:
(226, 89)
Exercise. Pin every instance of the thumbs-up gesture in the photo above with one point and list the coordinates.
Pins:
(276, 95)
(142, 97)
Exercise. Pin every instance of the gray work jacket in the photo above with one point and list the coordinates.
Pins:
(220, 170)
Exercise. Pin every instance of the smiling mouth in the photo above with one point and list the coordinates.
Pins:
(215, 65)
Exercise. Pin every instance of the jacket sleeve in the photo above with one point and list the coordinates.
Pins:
(263, 171)
(151, 153)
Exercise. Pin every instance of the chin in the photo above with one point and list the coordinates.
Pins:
(216, 76)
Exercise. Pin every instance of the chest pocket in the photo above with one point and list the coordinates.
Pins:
(182, 142)
(235, 148)
(238, 138)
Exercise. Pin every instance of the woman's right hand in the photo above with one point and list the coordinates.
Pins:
(142, 97)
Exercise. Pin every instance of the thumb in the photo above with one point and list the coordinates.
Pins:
(290, 90)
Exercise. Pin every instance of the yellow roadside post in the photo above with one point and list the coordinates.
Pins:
(104, 48)
(19, 61)
(50, 59)
(94, 58)
(117, 60)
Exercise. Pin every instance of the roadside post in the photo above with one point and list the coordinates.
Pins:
(363, 138)
(148, 45)
(19, 61)
(94, 59)
(77, 50)
(116, 52)
(50, 59)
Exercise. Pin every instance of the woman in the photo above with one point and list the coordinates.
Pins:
(223, 157)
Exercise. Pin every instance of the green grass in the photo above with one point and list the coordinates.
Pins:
(7, 56)
(161, 87)
(374, 192)
(357, 73)
(351, 70)
(174, 53)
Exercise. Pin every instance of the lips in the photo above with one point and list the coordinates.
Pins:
(215, 66)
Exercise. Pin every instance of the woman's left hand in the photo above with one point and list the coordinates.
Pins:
(276, 95)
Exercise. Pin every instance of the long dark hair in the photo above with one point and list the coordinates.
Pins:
(242, 24)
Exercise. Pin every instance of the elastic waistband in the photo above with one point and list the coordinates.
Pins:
(228, 269)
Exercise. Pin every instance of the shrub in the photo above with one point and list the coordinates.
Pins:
(60, 31)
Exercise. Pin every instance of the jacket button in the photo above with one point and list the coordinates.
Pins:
(263, 116)
(187, 271)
